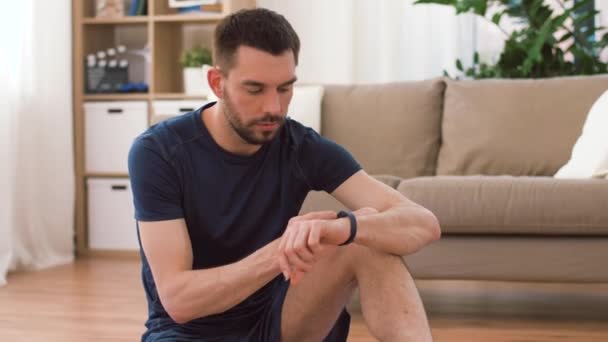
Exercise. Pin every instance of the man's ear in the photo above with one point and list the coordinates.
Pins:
(215, 78)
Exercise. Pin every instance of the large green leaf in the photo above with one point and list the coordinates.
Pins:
(565, 37)
(497, 16)
(535, 7)
(604, 39)
(534, 55)
(559, 20)
(582, 4)
(459, 65)
(586, 17)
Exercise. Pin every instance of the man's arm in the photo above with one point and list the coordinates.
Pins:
(187, 294)
(386, 221)
(400, 227)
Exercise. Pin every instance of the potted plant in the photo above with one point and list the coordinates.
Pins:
(196, 62)
(557, 39)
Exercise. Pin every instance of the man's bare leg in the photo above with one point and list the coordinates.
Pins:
(390, 302)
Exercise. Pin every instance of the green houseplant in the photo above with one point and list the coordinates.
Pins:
(552, 41)
(196, 62)
(195, 57)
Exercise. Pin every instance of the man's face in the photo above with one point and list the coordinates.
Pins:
(256, 93)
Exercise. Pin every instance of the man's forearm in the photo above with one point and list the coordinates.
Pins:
(400, 230)
(199, 293)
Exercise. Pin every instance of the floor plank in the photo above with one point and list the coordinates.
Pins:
(101, 299)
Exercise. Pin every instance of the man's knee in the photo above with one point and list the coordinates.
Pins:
(358, 257)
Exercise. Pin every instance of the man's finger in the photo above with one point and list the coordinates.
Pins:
(314, 239)
(284, 264)
(301, 246)
(283, 261)
(297, 276)
(296, 262)
(292, 256)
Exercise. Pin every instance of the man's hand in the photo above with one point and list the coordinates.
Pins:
(307, 236)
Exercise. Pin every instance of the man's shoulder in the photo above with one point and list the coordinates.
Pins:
(323, 163)
(298, 133)
(168, 135)
(304, 137)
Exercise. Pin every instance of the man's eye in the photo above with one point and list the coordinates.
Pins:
(254, 91)
(284, 90)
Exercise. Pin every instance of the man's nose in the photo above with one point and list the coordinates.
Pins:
(272, 103)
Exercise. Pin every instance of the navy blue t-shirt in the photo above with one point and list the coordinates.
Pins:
(232, 204)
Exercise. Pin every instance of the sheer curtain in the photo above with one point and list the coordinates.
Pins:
(367, 41)
(36, 161)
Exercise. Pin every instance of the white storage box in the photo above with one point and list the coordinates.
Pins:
(111, 225)
(172, 108)
(110, 128)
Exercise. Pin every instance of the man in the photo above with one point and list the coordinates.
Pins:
(217, 193)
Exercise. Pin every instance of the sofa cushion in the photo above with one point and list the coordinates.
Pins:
(305, 105)
(513, 205)
(514, 127)
(390, 128)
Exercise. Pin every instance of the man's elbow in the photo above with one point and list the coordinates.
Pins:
(179, 318)
(176, 306)
(182, 310)
(177, 312)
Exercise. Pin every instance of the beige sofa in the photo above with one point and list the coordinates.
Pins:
(481, 155)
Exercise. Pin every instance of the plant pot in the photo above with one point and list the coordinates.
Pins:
(195, 81)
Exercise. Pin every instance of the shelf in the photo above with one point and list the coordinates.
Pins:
(112, 253)
(178, 96)
(189, 18)
(122, 20)
(157, 96)
(175, 37)
(107, 175)
(119, 97)
(164, 33)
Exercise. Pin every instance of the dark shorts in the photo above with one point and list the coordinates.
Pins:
(267, 329)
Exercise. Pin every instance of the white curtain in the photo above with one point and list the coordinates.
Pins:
(367, 41)
(36, 160)
(602, 6)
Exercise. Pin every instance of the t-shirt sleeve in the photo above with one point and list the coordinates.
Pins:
(325, 164)
(154, 183)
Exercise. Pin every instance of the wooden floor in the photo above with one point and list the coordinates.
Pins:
(102, 300)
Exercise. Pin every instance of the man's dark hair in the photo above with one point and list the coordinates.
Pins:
(258, 28)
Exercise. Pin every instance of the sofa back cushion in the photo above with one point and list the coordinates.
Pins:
(391, 128)
(514, 127)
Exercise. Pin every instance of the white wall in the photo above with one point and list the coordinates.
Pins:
(324, 28)
(364, 41)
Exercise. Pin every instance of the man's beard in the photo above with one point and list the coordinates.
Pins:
(247, 131)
